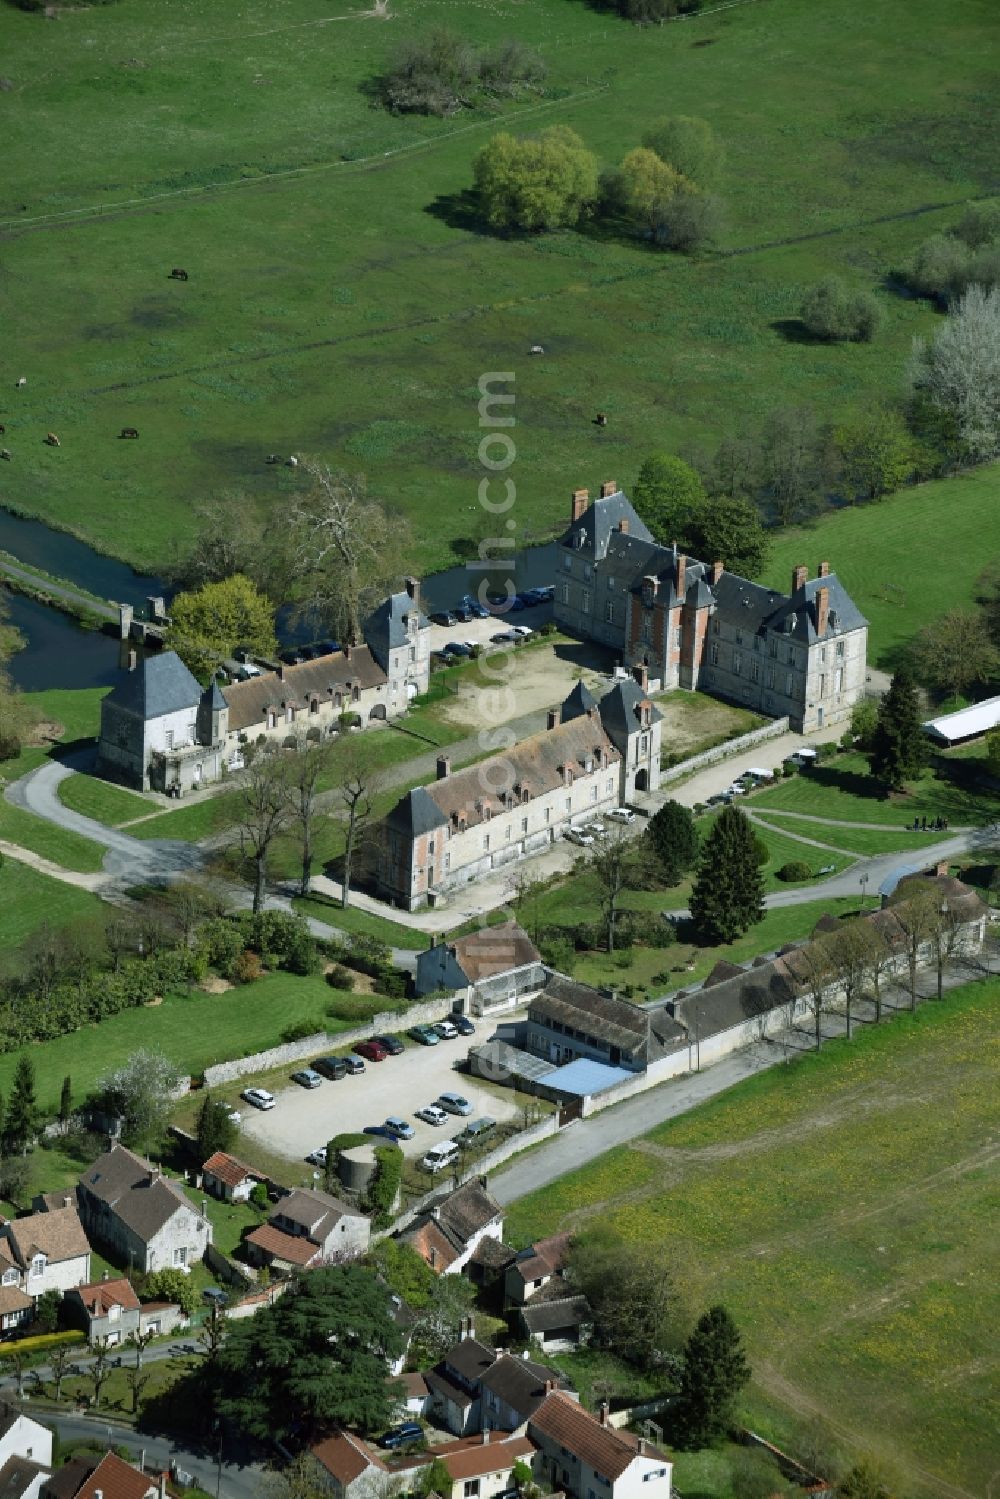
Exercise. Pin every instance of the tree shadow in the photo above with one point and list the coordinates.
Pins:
(794, 331)
(462, 211)
(851, 782)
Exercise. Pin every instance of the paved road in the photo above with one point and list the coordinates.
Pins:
(87, 601)
(240, 1476)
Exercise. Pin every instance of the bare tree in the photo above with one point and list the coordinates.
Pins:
(881, 959)
(137, 1382)
(615, 863)
(344, 547)
(815, 969)
(850, 953)
(140, 1341)
(917, 914)
(227, 540)
(304, 775)
(100, 1369)
(191, 901)
(946, 933)
(59, 1360)
(358, 787)
(265, 812)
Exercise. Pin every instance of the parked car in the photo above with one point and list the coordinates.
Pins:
(354, 1065)
(332, 1067)
(291, 657)
(548, 592)
(443, 617)
(503, 637)
(621, 814)
(521, 632)
(457, 648)
(259, 1097)
(576, 835)
(309, 652)
(445, 1030)
(533, 596)
(454, 1103)
(392, 1044)
(398, 1128)
(475, 608)
(478, 1128)
(372, 1051)
(441, 1154)
(432, 1114)
(462, 613)
(306, 1078)
(424, 1035)
(595, 828)
(463, 1025)
(244, 672)
(317, 1157)
(400, 1436)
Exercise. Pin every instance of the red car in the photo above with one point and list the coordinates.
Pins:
(374, 1051)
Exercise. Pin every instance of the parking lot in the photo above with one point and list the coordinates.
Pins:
(304, 1118)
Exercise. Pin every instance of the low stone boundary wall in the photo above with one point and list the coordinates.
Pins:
(221, 1266)
(724, 751)
(322, 1042)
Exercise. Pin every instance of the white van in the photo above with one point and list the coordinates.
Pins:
(444, 1153)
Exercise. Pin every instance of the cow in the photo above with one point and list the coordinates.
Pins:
(178, 275)
(129, 432)
(601, 420)
(21, 382)
(536, 349)
(293, 462)
(5, 453)
(2, 429)
(52, 440)
(272, 458)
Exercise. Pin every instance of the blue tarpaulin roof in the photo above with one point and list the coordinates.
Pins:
(584, 1077)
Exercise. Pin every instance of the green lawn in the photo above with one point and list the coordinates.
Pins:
(354, 920)
(862, 841)
(76, 715)
(61, 845)
(220, 132)
(29, 900)
(844, 1209)
(109, 804)
(843, 789)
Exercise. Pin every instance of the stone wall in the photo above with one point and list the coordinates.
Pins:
(724, 751)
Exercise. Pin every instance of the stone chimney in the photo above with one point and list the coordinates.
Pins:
(443, 767)
(681, 576)
(941, 868)
(822, 610)
(133, 660)
(799, 576)
(550, 1385)
(718, 569)
(608, 488)
(581, 499)
(465, 1329)
(641, 675)
(412, 586)
(824, 570)
(604, 1413)
(552, 718)
(486, 1436)
(623, 525)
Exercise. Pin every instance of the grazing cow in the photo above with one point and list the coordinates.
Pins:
(5, 453)
(600, 420)
(272, 458)
(21, 382)
(2, 429)
(178, 275)
(129, 432)
(293, 462)
(52, 440)
(536, 349)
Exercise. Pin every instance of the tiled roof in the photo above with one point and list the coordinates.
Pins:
(317, 1212)
(431, 1244)
(98, 1297)
(459, 1217)
(547, 1315)
(520, 1384)
(598, 523)
(12, 1299)
(494, 949)
(484, 1457)
(544, 1257)
(111, 1477)
(414, 1384)
(136, 1192)
(58, 1235)
(607, 1451)
(321, 679)
(226, 1168)
(470, 1358)
(617, 1022)
(345, 1457)
(65, 1481)
(291, 1247)
(16, 1475)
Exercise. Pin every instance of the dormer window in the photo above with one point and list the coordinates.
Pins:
(11, 1277)
(832, 619)
(38, 1265)
(579, 539)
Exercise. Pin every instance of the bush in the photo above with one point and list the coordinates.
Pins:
(42, 1341)
(795, 870)
(247, 967)
(384, 1185)
(340, 977)
(392, 982)
(827, 750)
(172, 1285)
(350, 1007)
(790, 768)
(847, 740)
(301, 1029)
(259, 1198)
(830, 313)
(761, 852)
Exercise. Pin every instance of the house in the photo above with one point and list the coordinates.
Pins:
(543, 1305)
(161, 730)
(144, 1218)
(25, 1454)
(585, 1456)
(484, 1468)
(447, 1233)
(110, 1312)
(225, 1177)
(16, 1307)
(534, 1268)
(44, 1252)
(351, 1469)
(691, 624)
(568, 1020)
(308, 1228)
(490, 969)
(474, 1388)
(593, 757)
(480, 1468)
(108, 1477)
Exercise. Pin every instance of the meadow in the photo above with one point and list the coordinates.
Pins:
(843, 1208)
(342, 300)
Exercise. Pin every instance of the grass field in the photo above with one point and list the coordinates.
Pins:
(342, 302)
(843, 789)
(112, 805)
(843, 1208)
(29, 900)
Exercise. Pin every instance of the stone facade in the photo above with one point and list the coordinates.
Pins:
(144, 1218)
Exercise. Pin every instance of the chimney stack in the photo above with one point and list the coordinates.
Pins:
(681, 576)
(623, 525)
(413, 588)
(443, 767)
(641, 675)
(608, 488)
(717, 570)
(552, 719)
(822, 610)
(486, 1436)
(824, 570)
(604, 1414)
(941, 868)
(133, 660)
(641, 1446)
(799, 576)
(581, 499)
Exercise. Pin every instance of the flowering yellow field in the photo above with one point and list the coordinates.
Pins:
(845, 1209)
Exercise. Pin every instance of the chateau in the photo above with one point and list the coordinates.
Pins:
(692, 624)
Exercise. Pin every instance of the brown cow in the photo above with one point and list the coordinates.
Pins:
(129, 432)
(52, 440)
(5, 453)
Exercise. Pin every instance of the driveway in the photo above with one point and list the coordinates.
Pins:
(304, 1118)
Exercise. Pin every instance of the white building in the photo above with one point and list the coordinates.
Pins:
(44, 1252)
(585, 1456)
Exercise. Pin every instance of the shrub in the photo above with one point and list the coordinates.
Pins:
(794, 870)
(42, 1341)
(827, 750)
(246, 968)
(340, 977)
(761, 852)
(384, 1185)
(350, 1006)
(790, 768)
(392, 982)
(829, 312)
(259, 1198)
(300, 1029)
(847, 740)
(172, 1285)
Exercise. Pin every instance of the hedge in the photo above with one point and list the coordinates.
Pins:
(42, 1341)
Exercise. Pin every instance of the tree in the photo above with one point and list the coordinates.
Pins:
(59, 1361)
(899, 749)
(958, 373)
(359, 784)
(433, 1478)
(47, 1311)
(226, 539)
(209, 624)
(137, 1382)
(695, 220)
(304, 773)
(814, 968)
(790, 464)
(17, 715)
(864, 718)
(437, 1325)
(265, 810)
(405, 1272)
(728, 894)
(850, 953)
(172, 1285)
(992, 746)
(715, 1370)
(216, 1130)
(881, 959)
(140, 1093)
(435, 73)
(915, 907)
(318, 1358)
(633, 1298)
(673, 840)
(66, 1100)
(864, 1481)
(542, 182)
(99, 1371)
(669, 496)
(831, 313)
(645, 188)
(614, 862)
(22, 1108)
(689, 145)
(875, 452)
(940, 268)
(955, 652)
(731, 531)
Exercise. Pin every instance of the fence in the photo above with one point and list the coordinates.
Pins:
(724, 751)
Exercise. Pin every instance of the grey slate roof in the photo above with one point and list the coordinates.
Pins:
(158, 685)
(600, 520)
(385, 627)
(212, 696)
(844, 614)
(550, 1316)
(579, 702)
(143, 1199)
(518, 1383)
(619, 710)
(416, 813)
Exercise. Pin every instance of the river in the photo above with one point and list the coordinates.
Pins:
(61, 654)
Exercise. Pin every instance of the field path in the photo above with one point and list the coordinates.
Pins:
(92, 882)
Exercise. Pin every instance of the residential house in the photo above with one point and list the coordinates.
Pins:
(543, 1305)
(351, 1469)
(306, 1229)
(480, 1467)
(145, 1219)
(489, 970)
(447, 1233)
(225, 1177)
(586, 1457)
(108, 1477)
(568, 1020)
(25, 1454)
(692, 624)
(475, 1388)
(44, 1252)
(16, 1307)
(161, 730)
(110, 1312)
(593, 757)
